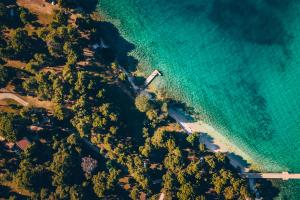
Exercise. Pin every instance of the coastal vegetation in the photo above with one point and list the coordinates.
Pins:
(97, 139)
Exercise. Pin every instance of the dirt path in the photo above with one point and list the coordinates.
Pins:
(8, 95)
(41, 8)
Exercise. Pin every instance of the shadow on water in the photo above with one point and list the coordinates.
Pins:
(195, 8)
(244, 20)
(120, 46)
(278, 4)
(268, 190)
(185, 110)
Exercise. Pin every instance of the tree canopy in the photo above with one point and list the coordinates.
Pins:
(7, 127)
(142, 103)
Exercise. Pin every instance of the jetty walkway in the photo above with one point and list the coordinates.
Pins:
(283, 175)
(191, 127)
(152, 77)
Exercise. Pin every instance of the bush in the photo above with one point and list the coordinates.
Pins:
(20, 45)
(25, 16)
(142, 103)
(35, 64)
(3, 76)
(7, 127)
(61, 18)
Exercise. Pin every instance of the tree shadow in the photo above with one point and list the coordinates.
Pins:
(267, 189)
(188, 113)
(139, 80)
(88, 6)
(263, 188)
(31, 18)
(120, 46)
(236, 160)
(8, 2)
(128, 113)
(5, 193)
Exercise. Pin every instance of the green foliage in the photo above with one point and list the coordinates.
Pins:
(142, 103)
(122, 76)
(162, 138)
(81, 82)
(30, 177)
(186, 191)
(30, 84)
(61, 17)
(174, 160)
(202, 147)
(59, 112)
(76, 193)
(99, 182)
(7, 127)
(112, 178)
(169, 183)
(55, 41)
(134, 193)
(65, 163)
(146, 149)
(227, 184)
(20, 44)
(193, 139)
(40, 85)
(59, 90)
(25, 16)
(229, 193)
(152, 115)
(69, 73)
(62, 42)
(39, 60)
(3, 76)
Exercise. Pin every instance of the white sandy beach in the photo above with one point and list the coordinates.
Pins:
(213, 140)
(210, 137)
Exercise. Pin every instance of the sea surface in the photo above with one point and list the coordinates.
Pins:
(237, 62)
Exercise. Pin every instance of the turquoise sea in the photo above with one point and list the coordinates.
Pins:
(237, 62)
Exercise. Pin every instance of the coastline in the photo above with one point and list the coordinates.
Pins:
(209, 136)
(214, 137)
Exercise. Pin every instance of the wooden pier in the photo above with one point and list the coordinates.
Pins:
(152, 77)
(283, 175)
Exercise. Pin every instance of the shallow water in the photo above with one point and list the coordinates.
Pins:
(236, 62)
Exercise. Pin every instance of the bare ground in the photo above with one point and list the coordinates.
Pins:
(41, 8)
